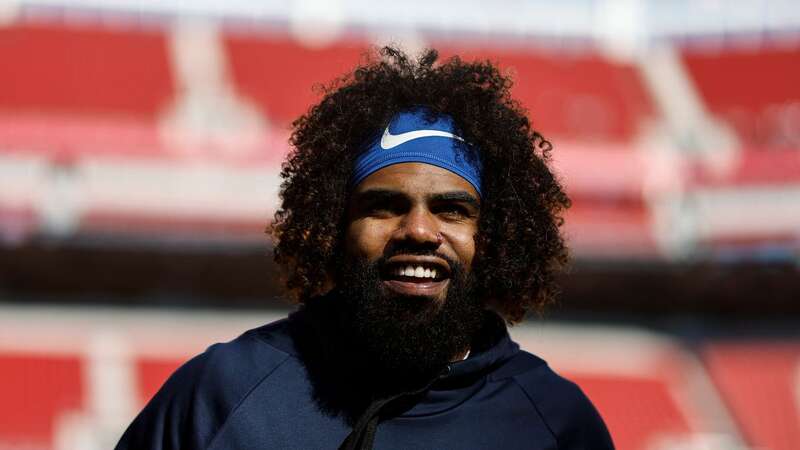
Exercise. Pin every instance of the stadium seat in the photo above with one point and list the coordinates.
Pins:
(81, 70)
(82, 89)
(639, 411)
(759, 382)
(578, 95)
(36, 391)
(152, 373)
(753, 89)
(278, 73)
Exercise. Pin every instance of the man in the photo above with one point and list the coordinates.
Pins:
(418, 217)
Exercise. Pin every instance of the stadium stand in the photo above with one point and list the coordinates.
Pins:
(649, 410)
(758, 380)
(94, 144)
(611, 105)
(753, 89)
(640, 399)
(278, 73)
(595, 123)
(768, 183)
(37, 389)
(87, 70)
(128, 177)
(69, 381)
(97, 91)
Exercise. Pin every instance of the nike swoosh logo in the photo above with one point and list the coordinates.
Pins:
(389, 140)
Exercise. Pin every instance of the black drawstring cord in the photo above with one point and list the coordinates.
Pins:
(363, 435)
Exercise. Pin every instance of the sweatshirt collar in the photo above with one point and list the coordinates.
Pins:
(462, 379)
(458, 381)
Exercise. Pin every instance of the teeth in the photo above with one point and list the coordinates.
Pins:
(416, 272)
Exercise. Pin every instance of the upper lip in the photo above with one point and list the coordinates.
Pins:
(411, 260)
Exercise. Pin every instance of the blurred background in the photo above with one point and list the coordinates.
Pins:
(140, 144)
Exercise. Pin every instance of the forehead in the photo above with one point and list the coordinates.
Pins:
(416, 178)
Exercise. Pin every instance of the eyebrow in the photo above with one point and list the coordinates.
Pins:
(382, 195)
(456, 196)
(378, 195)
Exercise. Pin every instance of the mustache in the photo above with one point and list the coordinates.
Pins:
(382, 261)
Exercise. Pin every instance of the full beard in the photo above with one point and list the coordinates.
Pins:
(407, 338)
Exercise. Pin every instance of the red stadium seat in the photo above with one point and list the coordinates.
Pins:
(84, 71)
(768, 182)
(611, 229)
(153, 372)
(78, 90)
(608, 104)
(609, 216)
(278, 73)
(759, 381)
(753, 168)
(637, 410)
(581, 96)
(36, 390)
(754, 90)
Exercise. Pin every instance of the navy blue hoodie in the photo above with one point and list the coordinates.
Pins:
(256, 392)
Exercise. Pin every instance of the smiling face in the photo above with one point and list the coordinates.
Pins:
(406, 292)
(416, 219)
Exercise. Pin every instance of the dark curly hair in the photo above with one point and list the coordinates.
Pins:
(519, 249)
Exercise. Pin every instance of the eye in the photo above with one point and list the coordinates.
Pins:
(382, 209)
(452, 210)
(378, 211)
(378, 203)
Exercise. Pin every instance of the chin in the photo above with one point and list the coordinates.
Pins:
(431, 290)
(411, 308)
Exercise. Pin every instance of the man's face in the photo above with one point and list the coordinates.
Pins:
(414, 220)
(407, 290)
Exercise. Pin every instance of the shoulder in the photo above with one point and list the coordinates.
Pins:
(561, 404)
(231, 369)
(197, 399)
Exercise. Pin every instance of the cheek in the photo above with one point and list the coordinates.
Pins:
(365, 239)
(464, 246)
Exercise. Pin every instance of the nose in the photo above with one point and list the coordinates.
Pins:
(419, 227)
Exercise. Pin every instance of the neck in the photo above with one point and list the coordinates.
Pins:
(461, 356)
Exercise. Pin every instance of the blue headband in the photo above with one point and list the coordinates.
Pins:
(412, 137)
